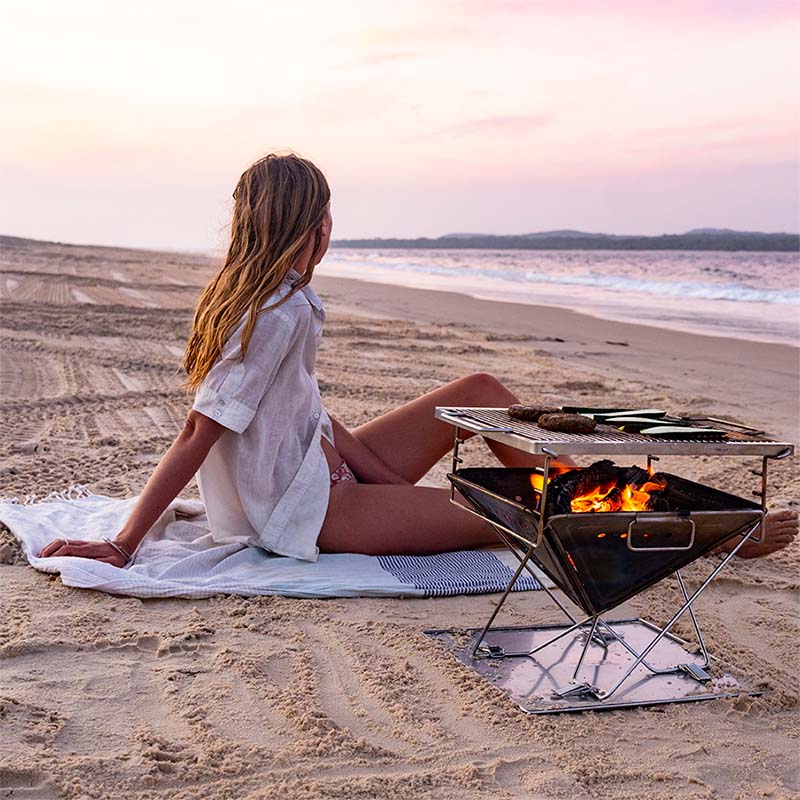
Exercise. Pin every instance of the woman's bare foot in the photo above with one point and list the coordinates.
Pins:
(780, 531)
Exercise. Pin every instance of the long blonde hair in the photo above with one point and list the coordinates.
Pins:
(280, 203)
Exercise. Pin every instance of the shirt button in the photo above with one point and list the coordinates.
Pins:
(217, 413)
(220, 402)
(316, 416)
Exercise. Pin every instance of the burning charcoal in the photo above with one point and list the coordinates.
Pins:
(561, 490)
(605, 487)
(604, 471)
(566, 423)
(564, 487)
(612, 501)
(530, 413)
(635, 476)
(660, 479)
(658, 502)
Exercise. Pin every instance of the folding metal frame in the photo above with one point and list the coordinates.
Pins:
(592, 629)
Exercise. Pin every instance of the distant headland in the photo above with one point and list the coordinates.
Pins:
(696, 239)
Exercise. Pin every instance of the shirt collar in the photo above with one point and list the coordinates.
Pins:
(291, 276)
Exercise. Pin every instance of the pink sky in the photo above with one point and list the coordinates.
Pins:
(129, 124)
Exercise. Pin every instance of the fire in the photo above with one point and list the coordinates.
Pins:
(608, 496)
(537, 480)
(611, 498)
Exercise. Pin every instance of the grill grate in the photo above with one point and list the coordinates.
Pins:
(495, 423)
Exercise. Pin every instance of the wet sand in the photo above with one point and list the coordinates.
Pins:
(737, 376)
(103, 696)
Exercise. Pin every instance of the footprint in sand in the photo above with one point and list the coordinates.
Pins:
(27, 784)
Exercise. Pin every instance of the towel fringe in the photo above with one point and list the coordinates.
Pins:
(74, 492)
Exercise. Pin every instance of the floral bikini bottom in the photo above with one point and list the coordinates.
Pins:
(341, 474)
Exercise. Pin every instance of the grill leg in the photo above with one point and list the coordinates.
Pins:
(510, 545)
(588, 641)
(678, 614)
(706, 657)
(612, 634)
(664, 670)
(522, 564)
(527, 653)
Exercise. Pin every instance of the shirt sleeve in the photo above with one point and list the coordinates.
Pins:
(233, 388)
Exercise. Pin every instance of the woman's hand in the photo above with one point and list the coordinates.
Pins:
(173, 472)
(99, 551)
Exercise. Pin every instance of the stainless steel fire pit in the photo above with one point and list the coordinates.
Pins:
(599, 560)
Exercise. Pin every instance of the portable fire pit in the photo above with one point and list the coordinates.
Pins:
(602, 534)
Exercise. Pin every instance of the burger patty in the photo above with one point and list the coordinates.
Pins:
(566, 423)
(530, 413)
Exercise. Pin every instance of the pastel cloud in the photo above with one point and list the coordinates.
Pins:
(726, 12)
(521, 124)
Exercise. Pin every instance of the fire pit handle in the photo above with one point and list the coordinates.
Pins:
(650, 524)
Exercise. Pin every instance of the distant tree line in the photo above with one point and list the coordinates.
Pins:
(775, 242)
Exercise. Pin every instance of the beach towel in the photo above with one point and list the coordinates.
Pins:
(178, 558)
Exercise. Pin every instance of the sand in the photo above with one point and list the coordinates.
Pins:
(110, 697)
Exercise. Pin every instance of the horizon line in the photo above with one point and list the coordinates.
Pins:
(559, 232)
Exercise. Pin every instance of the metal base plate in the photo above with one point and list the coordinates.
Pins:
(532, 681)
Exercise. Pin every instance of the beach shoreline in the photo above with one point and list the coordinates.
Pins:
(750, 296)
(735, 374)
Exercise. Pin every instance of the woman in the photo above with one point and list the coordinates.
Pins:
(273, 468)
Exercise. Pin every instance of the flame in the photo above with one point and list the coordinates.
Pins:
(606, 497)
(609, 497)
(537, 480)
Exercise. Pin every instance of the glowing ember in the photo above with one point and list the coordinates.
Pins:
(537, 481)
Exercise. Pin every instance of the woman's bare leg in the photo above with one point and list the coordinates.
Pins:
(411, 440)
(377, 519)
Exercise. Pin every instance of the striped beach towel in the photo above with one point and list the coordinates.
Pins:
(179, 558)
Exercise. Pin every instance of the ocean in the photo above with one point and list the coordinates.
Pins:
(742, 295)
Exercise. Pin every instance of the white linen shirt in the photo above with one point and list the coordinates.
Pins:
(265, 482)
